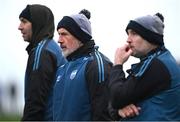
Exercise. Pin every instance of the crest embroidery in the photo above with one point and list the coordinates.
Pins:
(73, 74)
(58, 78)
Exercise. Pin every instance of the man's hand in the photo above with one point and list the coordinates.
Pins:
(129, 111)
(122, 54)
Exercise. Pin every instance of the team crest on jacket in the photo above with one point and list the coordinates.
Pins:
(85, 58)
(58, 78)
(73, 74)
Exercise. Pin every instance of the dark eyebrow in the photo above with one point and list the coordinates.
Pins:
(62, 33)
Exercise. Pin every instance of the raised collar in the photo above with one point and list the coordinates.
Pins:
(85, 50)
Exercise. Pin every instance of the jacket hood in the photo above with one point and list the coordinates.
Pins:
(42, 23)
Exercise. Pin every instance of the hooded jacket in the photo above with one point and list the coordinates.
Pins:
(44, 58)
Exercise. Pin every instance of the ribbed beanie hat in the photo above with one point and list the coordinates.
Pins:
(26, 14)
(151, 28)
(78, 25)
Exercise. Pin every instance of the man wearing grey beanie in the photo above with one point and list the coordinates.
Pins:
(153, 84)
(80, 91)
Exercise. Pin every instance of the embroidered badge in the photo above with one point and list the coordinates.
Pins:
(58, 78)
(85, 58)
(73, 74)
(62, 65)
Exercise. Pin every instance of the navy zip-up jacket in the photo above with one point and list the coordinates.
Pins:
(40, 73)
(153, 84)
(80, 91)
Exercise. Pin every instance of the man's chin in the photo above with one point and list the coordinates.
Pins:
(26, 40)
(65, 54)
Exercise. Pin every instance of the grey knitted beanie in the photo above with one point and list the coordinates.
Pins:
(83, 22)
(78, 25)
(151, 28)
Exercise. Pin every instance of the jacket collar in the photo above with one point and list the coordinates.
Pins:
(152, 52)
(84, 50)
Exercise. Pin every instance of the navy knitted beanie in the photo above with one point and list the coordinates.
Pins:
(151, 28)
(26, 14)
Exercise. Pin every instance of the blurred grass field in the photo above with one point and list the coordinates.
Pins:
(10, 117)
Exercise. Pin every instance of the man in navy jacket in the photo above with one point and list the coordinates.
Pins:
(37, 28)
(153, 84)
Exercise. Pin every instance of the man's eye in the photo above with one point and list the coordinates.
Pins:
(134, 33)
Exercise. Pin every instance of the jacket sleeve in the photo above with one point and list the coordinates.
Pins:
(98, 90)
(38, 86)
(125, 91)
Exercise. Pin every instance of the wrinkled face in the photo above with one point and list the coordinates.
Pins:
(68, 42)
(138, 45)
(26, 29)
